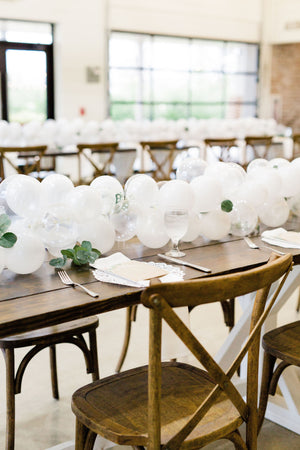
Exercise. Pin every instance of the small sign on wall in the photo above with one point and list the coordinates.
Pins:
(93, 74)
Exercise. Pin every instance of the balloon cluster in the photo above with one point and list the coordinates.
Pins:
(54, 215)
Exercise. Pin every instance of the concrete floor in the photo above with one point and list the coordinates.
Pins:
(43, 423)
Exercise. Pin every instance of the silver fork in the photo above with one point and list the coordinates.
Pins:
(252, 245)
(67, 280)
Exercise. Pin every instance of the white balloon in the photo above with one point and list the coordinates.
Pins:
(150, 229)
(207, 192)
(274, 214)
(99, 232)
(84, 202)
(257, 163)
(271, 180)
(276, 163)
(193, 230)
(290, 180)
(23, 196)
(243, 218)
(27, 255)
(215, 224)
(176, 194)
(108, 183)
(252, 191)
(124, 220)
(229, 175)
(190, 168)
(141, 189)
(55, 188)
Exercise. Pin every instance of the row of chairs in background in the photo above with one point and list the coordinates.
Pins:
(156, 158)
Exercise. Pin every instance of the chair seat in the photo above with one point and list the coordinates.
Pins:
(108, 407)
(283, 343)
(50, 334)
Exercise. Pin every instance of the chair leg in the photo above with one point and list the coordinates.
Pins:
(298, 303)
(84, 438)
(228, 308)
(237, 440)
(10, 398)
(268, 366)
(130, 317)
(94, 355)
(53, 369)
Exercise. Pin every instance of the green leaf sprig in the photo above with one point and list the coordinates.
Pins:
(79, 254)
(226, 206)
(7, 239)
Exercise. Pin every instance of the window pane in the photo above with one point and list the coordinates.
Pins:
(27, 91)
(240, 110)
(170, 86)
(171, 112)
(207, 111)
(27, 32)
(207, 55)
(125, 50)
(241, 57)
(207, 87)
(122, 111)
(171, 53)
(241, 88)
(124, 84)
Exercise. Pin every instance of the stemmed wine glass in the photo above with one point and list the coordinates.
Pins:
(176, 225)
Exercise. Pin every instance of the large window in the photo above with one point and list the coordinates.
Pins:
(153, 76)
(26, 67)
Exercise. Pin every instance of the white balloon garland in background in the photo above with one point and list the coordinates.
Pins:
(54, 215)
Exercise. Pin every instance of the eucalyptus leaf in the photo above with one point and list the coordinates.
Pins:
(94, 250)
(4, 223)
(69, 253)
(87, 245)
(8, 240)
(226, 206)
(82, 256)
(58, 262)
(79, 254)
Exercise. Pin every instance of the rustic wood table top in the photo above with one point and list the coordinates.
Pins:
(40, 299)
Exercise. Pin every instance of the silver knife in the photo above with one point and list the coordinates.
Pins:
(184, 263)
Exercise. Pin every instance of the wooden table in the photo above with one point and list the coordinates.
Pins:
(33, 301)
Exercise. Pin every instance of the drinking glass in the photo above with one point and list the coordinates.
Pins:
(176, 225)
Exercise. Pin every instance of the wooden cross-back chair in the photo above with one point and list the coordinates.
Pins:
(162, 154)
(296, 146)
(172, 405)
(31, 157)
(102, 167)
(263, 143)
(224, 144)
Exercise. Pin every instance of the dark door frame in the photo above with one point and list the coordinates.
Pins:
(48, 49)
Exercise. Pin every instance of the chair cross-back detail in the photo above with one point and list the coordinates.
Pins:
(88, 151)
(224, 144)
(259, 142)
(162, 154)
(173, 405)
(31, 155)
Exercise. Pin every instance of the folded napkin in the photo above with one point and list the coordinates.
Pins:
(118, 269)
(282, 238)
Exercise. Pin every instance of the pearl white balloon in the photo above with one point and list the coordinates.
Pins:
(99, 232)
(252, 191)
(150, 229)
(190, 168)
(193, 230)
(55, 188)
(271, 180)
(110, 184)
(141, 189)
(290, 180)
(27, 255)
(84, 202)
(257, 163)
(243, 218)
(176, 194)
(207, 192)
(23, 196)
(229, 175)
(276, 163)
(215, 225)
(274, 214)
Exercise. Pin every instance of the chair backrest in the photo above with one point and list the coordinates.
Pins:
(31, 156)
(224, 144)
(102, 166)
(264, 142)
(162, 154)
(162, 298)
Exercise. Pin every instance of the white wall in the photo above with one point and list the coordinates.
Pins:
(81, 32)
(285, 27)
(79, 42)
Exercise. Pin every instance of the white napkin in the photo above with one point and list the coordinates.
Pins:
(106, 266)
(281, 238)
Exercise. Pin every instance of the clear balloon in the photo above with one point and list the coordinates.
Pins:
(193, 230)
(150, 229)
(243, 218)
(27, 255)
(215, 225)
(207, 192)
(99, 232)
(176, 194)
(274, 214)
(124, 221)
(190, 168)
